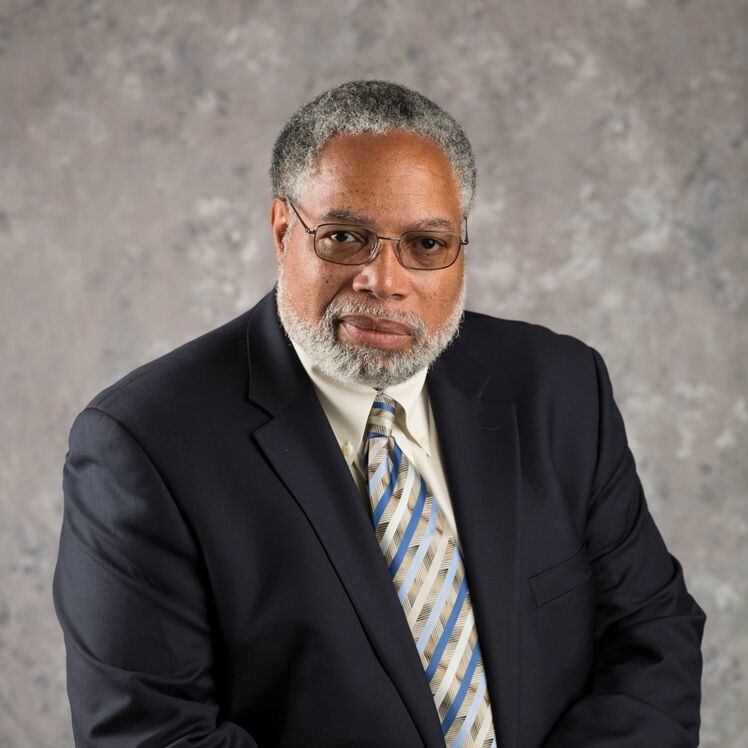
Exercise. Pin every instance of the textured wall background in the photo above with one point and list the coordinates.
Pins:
(611, 138)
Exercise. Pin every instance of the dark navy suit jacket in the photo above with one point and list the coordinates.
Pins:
(219, 584)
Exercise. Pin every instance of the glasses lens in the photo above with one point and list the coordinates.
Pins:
(429, 250)
(346, 245)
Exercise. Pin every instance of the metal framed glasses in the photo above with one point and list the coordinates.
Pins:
(352, 244)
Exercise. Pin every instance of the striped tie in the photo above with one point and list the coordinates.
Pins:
(428, 573)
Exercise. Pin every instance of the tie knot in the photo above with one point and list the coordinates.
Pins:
(382, 415)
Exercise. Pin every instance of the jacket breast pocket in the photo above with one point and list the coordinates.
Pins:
(564, 577)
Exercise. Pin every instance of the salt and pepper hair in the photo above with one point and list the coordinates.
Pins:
(366, 106)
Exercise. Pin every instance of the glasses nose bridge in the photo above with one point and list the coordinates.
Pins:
(377, 248)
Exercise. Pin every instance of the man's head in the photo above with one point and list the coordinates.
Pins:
(373, 155)
(366, 106)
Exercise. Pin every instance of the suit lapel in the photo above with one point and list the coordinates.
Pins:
(480, 451)
(301, 447)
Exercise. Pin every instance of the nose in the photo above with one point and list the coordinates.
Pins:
(384, 277)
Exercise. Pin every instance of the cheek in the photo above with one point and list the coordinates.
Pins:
(324, 283)
(314, 284)
(438, 300)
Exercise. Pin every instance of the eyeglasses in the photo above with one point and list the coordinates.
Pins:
(350, 244)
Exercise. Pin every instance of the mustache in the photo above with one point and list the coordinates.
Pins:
(337, 308)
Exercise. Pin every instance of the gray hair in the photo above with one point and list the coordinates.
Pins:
(366, 106)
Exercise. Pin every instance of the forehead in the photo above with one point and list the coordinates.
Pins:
(383, 170)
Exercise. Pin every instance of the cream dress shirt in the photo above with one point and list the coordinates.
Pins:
(347, 409)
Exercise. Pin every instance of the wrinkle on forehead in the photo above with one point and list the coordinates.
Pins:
(338, 215)
(360, 178)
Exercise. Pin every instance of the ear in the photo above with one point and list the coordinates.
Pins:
(279, 221)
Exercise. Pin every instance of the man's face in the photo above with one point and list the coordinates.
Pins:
(378, 323)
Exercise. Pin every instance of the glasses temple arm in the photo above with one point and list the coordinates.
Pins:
(307, 230)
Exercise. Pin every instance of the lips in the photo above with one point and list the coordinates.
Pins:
(375, 332)
(377, 324)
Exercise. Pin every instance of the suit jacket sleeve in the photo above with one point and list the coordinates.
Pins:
(644, 685)
(131, 597)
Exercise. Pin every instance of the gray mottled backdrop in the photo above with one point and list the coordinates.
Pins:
(611, 137)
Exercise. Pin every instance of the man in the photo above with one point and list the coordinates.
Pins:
(352, 517)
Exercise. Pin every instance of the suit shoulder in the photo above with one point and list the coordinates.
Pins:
(492, 337)
(179, 372)
(528, 363)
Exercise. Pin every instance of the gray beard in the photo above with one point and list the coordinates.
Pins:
(356, 364)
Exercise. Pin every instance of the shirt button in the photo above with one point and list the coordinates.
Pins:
(347, 449)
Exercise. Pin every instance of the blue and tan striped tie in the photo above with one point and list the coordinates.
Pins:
(429, 577)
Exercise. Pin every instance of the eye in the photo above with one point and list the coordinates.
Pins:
(342, 237)
(428, 243)
(338, 237)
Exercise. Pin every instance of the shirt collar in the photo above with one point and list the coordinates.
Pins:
(347, 406)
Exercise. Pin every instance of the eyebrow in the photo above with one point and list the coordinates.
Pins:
(345, 216)
(348, 216)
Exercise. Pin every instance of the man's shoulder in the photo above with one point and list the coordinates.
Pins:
(525, 360)
(179, 376)
(494, 337)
